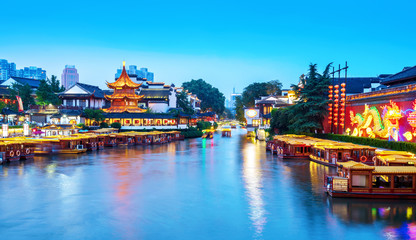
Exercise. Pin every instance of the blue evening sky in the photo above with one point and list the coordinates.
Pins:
(227, 43)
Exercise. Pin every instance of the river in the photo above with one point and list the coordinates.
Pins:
(221, 188)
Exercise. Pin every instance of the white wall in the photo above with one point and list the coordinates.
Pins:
(159, 107)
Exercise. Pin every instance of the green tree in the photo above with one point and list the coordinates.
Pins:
(239, 109)
(23, 91)
(256, 90)
(183, 102)
(308, 113)
(47, 92)
(94, 114)
(116, 125)
(211, 97)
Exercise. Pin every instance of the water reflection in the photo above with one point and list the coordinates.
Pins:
(252, 175)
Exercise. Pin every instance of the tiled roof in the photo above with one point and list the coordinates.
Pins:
(356, 84)
(123, 80)
(155, 93)
(32, 82)
(408, 73)
(92, 89)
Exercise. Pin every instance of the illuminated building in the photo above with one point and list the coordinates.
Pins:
(388, 114)
(125, 108)
(124, 97)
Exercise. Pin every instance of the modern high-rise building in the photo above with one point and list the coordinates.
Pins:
(69, 76)
(8, 70)
(137, 73)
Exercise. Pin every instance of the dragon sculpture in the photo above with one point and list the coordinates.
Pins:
(370, 122)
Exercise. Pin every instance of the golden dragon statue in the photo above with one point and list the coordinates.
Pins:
(371, 124)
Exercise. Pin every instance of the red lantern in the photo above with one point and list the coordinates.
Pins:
(330, 95)
(336, 86)
(330, 86)
(336, 100)
(343, 95)
(343, 85)
(343, 99)
(336, 91)
(330, 91)
(342, 89)
(330, 110)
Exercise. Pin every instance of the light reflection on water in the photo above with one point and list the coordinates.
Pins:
(221, 188)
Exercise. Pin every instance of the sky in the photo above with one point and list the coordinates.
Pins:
(227, 43)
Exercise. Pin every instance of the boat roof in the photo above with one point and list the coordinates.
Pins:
(355, 165)
(396, 158)
(394, 170)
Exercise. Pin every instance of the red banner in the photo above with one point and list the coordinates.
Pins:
(19, 101)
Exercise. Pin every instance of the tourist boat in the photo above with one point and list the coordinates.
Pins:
(101, 141)
(291, 146)
(394, 158)
(359, 180)
(226, 131)
(88, 140)
(233, 125)
(69, 145)
(110, 140)
(330, 153)
(23, 148)
(208, 133)
(44, 146)
(10, 150)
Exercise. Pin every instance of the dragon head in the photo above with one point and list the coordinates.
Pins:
(392, 114)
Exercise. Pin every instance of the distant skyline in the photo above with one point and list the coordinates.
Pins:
(228, 44)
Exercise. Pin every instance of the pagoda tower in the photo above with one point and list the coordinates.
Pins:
(124, 97)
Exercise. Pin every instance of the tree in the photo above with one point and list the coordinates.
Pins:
(239, 109)
(47, 92)
(211, 97)
(183, 102)
(116, 125)
(94, 114)
(23, 91)
(256, 90)
(308, 113)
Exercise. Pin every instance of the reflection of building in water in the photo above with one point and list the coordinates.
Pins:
(369, 211)
(253, 184)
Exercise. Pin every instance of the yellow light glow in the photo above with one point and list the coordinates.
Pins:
(251, 113)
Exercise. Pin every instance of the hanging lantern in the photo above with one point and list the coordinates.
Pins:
(342, 89)
(343, 85)
(329, 117)
(336, 100)
(330, 96)
(343, 99)
(330, 86)
(336, 86)
(336, 91)
(342, 104)
(330, 91)
(342, 114)
(330, 110)
(343, 95)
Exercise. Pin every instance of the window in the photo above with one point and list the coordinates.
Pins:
(403, 181)
(381, 181)
(360, 181)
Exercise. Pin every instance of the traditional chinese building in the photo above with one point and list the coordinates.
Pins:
(124, 97)
(125, 108)
(388, 114)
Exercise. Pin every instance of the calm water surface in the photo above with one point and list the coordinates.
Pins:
(224, 188)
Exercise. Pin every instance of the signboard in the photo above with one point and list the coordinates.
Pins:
(26, 129)
(5, 128)
(340, 184)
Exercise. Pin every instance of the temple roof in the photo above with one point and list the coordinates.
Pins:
(123, 81)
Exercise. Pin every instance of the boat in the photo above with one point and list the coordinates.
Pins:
(359, 180)
(291, 146)
(330, 153)
(394, 158)
(226, 131)
(110, 140)
(208, 133)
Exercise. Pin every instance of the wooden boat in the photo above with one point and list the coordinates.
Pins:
(360, 180)
(291, 146)
(23, 147)
(70, 145)
(10, 149)
(394, 158)
(226, 131)
(88, 140)
(110, 140)
(44, 146)
(208, 133)
(330, 153)
(100, 141)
